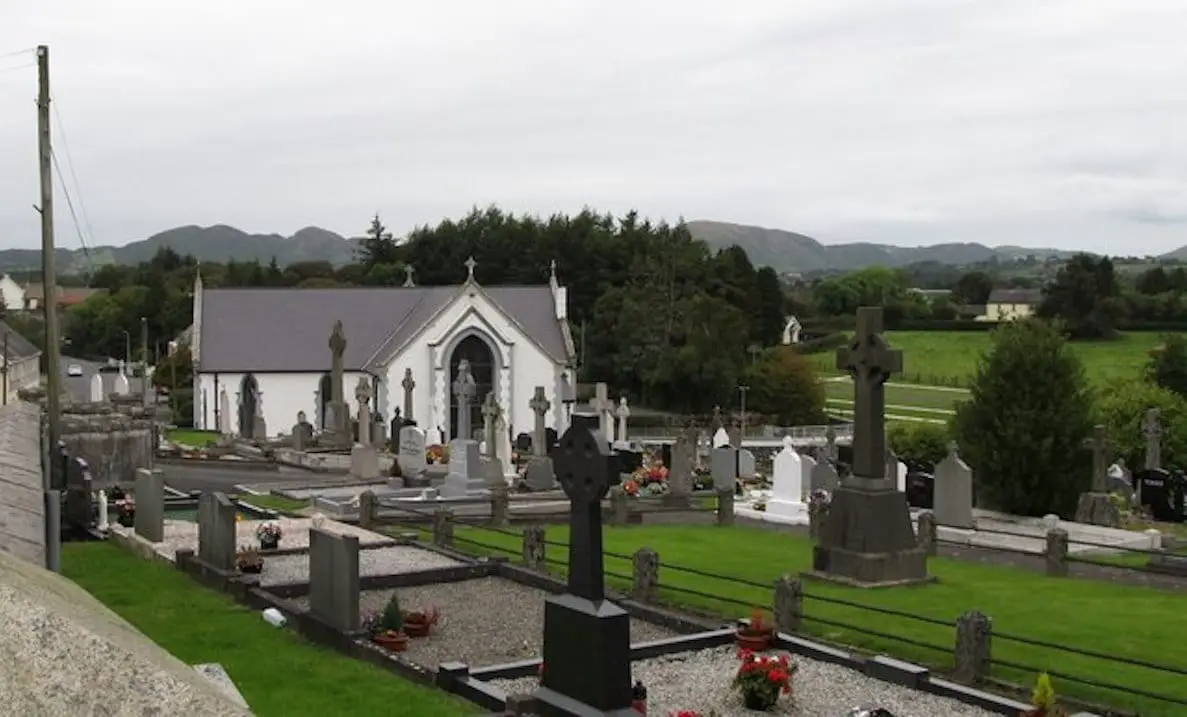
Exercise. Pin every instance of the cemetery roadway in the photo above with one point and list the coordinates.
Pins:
(209, 479)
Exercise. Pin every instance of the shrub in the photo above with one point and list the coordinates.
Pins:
(925, 443)
(1168, 364)
(1024, 425)
(783, 384)
(1122, 407)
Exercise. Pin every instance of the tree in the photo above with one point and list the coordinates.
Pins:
(378, 247)
(1081, 296)
(784, 385)
(1122, 407)
(925, 443)
(1024, 426)
(1167, 366)
(973, 288)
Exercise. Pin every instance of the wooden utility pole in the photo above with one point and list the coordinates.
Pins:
(145, 387)
(5, 369)
(49, 275)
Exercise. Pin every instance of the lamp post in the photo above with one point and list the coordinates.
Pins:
(742, 390)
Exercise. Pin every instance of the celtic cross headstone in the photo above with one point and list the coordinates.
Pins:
(408, 384)
(870, 361)
(464, 389)
(539, 405)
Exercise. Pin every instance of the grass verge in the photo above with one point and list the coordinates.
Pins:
(1114, 620)
(190, 437)
(278, 672)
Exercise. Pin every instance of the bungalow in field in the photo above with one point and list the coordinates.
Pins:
(1011, 304)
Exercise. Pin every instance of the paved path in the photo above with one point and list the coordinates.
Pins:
(225, 479)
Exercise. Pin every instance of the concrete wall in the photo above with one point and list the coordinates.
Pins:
(23, 375)
(114, 439)
(22, 506)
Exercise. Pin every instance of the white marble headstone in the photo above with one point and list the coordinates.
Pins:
(721, 438)
(901, 476)
(787, 487)
(121, 385)
(97, 387)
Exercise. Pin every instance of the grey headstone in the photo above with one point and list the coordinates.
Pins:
(334, 579)
(150, 505)
(824, 477)
(746, 467)
(540, 473)
(364, 462)
(723, 465)
(953, 492)
(411, 456)
(680, 472)
(216, 531)
(464, 470)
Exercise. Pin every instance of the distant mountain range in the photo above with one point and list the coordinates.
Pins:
(786, 251)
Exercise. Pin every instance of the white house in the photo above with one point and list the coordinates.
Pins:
(12, 293)
(268, 351)
(20, 365)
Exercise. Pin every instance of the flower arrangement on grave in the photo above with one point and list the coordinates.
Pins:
(269, 535)
(125, 507)
(761, 679)
(651, 478)
(386, 627)
(820, 496)
(437, 454)
(1043, 699)
(248, 560)
(756, 634)
(702, 478)
(417, 623)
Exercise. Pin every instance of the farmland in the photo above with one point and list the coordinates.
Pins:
(938, 364)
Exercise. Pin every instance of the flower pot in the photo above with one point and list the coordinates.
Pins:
(755, 641)
(416, 628)
(391, 641)
(755, 700)
(269, 543)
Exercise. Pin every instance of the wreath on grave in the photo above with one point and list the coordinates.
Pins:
(651, 478)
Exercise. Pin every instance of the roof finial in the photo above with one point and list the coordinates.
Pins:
(552, 270)
(408, 275)
(470, 264)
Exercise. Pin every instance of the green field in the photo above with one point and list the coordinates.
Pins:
(904, 402)
(278, 672)
(950, 357)
(1151, 626)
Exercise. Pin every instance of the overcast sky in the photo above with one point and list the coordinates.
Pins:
(1033, 122)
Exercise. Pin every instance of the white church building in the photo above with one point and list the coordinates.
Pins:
(266, 351)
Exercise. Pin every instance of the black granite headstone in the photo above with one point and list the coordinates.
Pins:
(586, 637)
(629, 461)
(523, 443)
(550, 438)
(1162, 493)
(665, 454)
(921, 490)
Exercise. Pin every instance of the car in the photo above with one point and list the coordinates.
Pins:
(74, 370)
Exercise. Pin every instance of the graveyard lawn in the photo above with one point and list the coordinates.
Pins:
(278, 672)
(949, 358)
(1083, 614)
(192, 438)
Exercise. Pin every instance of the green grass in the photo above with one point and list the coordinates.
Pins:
(904, 402)
(1116, 620)
(192, 438)
(950, 357)
(278, 672)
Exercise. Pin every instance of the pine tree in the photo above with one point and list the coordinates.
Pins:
(1024, 426)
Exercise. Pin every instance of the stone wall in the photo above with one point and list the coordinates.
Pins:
(22, 501)
(113, 438)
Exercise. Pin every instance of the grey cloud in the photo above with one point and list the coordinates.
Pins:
(905, 121)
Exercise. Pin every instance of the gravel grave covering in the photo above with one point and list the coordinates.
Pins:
(701, 680)
(183, 534)
(486, 621)
(283, 569)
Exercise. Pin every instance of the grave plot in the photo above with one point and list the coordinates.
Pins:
(373, 562)
(485, 621)
(701, 681)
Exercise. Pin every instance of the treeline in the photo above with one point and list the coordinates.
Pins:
(655, 313)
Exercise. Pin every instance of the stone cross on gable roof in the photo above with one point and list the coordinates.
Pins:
(470, 264)
(870, 361)
(408, 271)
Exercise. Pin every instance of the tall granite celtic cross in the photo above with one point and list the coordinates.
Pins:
(362, 394)
(490, 412)
(1099, 443)
(870, 361)
(408, 384)
(1152, 429)
(464, 389)
(584, 466)
(539, 405)
(337, 350)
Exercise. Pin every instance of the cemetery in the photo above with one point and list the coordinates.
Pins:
(501, 568)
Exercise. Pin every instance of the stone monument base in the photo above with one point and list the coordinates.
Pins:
(1098, 509)
(868, 539)
(574, 686)
(787, 508)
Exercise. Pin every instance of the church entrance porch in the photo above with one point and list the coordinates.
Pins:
(482, 368)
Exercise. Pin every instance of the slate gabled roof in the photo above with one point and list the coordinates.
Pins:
(1016, 296)
(288, 330)
(19, 347)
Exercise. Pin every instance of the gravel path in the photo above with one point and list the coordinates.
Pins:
(701, 681)
(487, 621)
(183, 534)
(374, 561)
